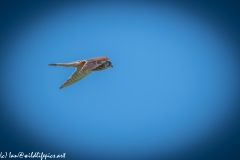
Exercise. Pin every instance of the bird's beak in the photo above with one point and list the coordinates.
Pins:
(112, 66)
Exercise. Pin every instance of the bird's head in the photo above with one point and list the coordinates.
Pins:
(109, 64)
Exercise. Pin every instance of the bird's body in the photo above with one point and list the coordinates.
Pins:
(84, 68)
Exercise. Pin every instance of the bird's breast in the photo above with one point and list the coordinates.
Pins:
(101, 67)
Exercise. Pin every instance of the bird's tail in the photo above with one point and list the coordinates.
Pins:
(71, 64)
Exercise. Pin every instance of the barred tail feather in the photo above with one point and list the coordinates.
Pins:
(63, 64)
(53, 64)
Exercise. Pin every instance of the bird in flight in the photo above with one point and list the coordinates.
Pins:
(84, 68)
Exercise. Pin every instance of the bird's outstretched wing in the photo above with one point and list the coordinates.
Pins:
(76, 76)
(93, 63)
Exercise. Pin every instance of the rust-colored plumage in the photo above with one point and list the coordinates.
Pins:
(84, 68)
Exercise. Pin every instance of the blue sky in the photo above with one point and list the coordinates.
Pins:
(173, 79)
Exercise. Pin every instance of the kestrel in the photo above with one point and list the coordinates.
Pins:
(84, 68)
